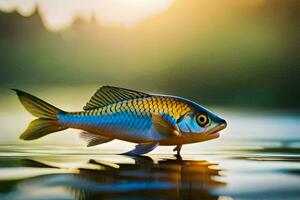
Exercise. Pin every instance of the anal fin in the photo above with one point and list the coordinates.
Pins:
(93, 139)
(142, 148)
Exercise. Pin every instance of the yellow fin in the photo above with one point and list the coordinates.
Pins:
(36, 106)
(41, 127)
(163, 126)
(47, 116)
(93, 139)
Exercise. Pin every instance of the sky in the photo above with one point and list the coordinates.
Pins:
(58, 14)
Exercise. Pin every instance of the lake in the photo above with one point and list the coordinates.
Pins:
(42, 173)
(256, 157)
(237, 58)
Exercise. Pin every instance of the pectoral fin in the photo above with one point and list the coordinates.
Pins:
(93, 139)
(142, 149)
(163, 126)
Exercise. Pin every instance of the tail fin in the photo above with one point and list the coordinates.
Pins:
(47, 121)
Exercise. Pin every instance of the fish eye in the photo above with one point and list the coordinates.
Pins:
(202, 120)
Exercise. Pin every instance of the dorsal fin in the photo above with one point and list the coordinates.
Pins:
(106, 95)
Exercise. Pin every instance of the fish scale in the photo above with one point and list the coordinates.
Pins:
(131, 114)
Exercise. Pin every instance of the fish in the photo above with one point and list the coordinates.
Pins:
(149, 120)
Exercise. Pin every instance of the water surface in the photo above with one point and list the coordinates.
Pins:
(256, 157)
(51, 173)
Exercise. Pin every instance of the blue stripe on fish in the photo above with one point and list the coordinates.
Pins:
(128, 120)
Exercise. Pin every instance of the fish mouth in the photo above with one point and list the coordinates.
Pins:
(215, 131)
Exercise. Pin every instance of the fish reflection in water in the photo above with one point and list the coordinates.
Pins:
(144, 179)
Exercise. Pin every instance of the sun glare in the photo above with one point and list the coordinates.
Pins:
(58, 14)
